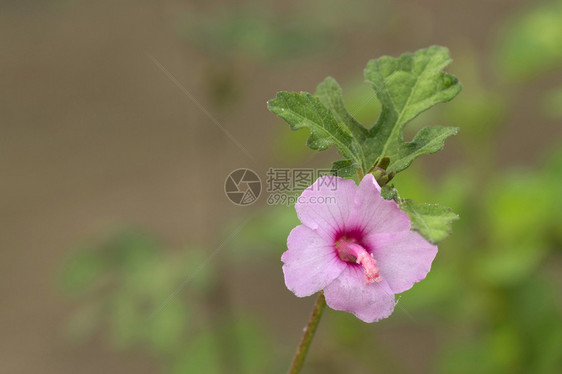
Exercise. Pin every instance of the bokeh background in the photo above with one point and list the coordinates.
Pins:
(119, 251)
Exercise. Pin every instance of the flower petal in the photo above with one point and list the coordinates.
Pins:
(350, 292)
(373, 214)
(311, 263)
(325, 206)
(403, 258)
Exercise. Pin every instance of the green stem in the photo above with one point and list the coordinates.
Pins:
(308, 335)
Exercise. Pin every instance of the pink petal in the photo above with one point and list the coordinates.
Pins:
(370, 302)
(373, 214)
(311, 263)
(403, 258)
(325, 206)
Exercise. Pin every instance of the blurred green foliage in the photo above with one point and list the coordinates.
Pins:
(160, 301)
(530, 44)
(261, 31)
(271, 33)
(252, 33)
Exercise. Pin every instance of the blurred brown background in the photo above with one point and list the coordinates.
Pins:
(93, 132)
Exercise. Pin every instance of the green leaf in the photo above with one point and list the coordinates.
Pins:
(432, 221)
(389, 192)
(330, 94)
(302, 110)
(344, 169)
(407, 86)
(428, 140)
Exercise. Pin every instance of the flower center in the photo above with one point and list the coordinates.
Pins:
(350, 251)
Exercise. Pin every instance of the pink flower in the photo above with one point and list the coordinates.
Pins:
(354, 245)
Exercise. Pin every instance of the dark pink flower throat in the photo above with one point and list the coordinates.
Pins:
(349, 250)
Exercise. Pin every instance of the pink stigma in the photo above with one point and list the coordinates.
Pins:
(350, 251)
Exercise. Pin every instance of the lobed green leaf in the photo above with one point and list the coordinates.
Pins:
(432, 221)
(405, 87)
(302, 110)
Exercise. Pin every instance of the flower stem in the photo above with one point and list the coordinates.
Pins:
(308, 335)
